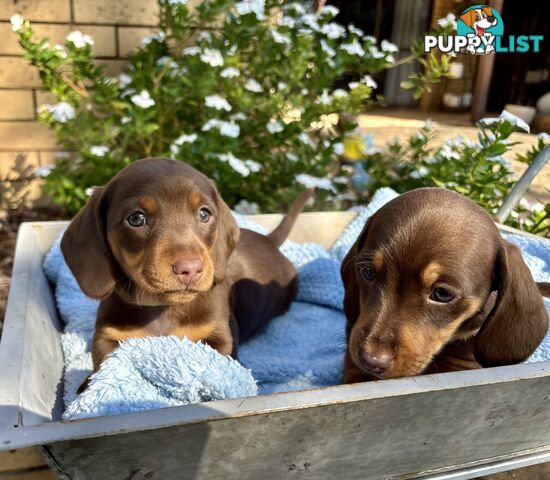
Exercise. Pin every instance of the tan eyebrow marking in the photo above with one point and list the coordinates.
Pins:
(149, 204)
(378, 259)
(431, 273)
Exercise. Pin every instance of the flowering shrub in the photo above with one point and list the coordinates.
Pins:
(478, 170)
(243, 91)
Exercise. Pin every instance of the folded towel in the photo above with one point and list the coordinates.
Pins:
(301, 349)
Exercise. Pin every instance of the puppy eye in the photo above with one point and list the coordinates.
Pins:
(441, 295)
(367, 272)
(137, 219)
(204, 215)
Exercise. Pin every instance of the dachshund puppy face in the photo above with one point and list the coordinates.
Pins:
(163, 228)
(423, 274)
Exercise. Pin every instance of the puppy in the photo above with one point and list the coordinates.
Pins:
(431, 286)
(161, 250)
(479, 19)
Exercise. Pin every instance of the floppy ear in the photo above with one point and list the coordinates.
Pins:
(519, 321)
(226, 239)
(348, 271)
(86, 251)
(468, 18)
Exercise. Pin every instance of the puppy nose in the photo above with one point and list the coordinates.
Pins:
(188, 270)
(377, 362)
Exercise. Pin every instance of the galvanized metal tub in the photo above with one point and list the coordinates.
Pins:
(453, 425)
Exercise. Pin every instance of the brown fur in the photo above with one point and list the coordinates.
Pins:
(245, 280)
(433, 238)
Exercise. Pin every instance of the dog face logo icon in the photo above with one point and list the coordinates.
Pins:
(480, 21)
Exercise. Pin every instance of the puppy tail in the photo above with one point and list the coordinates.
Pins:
(282, 230)
(544, 289)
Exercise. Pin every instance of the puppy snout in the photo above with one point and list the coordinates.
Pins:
(188, 270)
(376, 362)
(491, 19)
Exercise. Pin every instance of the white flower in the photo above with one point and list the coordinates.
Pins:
(327, 49)
(61, 50)
(143, 99)
(279, 37)
(338, 148)
(124, 80)
(288, 22)
(228, 129)
(213, 57)
(310, 20)
(357, 31)
(99, 150)
(388, 46)
(244, 207)
(309, 181)
(17, 21)
(204, 36)
(544, 136)
(159, 37)
(353, 48)
(305, 139)
(390, 59)
(292, 157)
(450, 19)
(244, 167)
(217, 102)
(340, 93)
(375, 52)
(353, 85)
(274, 126)
(43, 171)
(230, 72)
(178, 142)
(329, 10)
(369, 38)
(79, 40)
(191, 51)
(324, 98)
(254, 167)
(420, 173)
(253, 86)
(257, 7)
(124, 120)
(505, 115)
(178, 2)
(164, 61)
(297, 7)
(282, 85)
(89, 191)
(185, 139)
(238, 116)
(369, 82)
(429, 124)
(61, 112)
(333, 30)
(304, 91)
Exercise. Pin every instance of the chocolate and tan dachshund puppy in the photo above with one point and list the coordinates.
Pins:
(431, 286)
(162, 251)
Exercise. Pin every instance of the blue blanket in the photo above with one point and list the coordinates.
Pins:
(301, 349)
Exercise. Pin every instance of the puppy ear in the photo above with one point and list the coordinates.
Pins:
(519, 321)
(467, 18)
(226, 240)
(86, 250)
(348, 271)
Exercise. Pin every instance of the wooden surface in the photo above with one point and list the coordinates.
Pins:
(25, 464)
